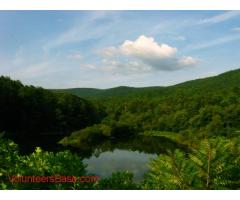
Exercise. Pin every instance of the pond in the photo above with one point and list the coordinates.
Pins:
(131, 155)
(108, 162)
(103, 157)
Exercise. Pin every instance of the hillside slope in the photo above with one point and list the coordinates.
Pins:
(223, 81)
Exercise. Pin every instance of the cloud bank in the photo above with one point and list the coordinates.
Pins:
(144, 54)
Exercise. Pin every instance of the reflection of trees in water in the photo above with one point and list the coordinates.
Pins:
(145, 144)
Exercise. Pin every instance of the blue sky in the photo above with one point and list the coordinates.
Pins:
(103, 49)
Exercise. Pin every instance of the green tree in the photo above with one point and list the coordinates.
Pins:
(213, 165)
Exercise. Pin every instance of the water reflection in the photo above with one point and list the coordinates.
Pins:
(131, 154)
(105, 156)
(108, 162)
(119, 160)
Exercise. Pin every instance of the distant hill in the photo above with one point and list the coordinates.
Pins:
(111, 92)
(223, 81)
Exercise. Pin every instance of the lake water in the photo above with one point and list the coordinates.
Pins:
(131, 155)
(108, 162)
(111, 155)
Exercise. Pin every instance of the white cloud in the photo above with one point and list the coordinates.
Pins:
(147, 48)
(220, 18)
(145, 55)
(142, 46)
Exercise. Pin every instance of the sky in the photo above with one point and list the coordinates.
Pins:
(104, 49)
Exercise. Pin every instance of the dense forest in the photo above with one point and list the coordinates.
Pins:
(200, 117)
(31, 110)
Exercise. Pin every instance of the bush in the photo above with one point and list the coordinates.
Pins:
(39, 163)
(118, 181)
(215, 164)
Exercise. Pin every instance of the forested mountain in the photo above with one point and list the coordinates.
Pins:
(207, 107)
(32, 111)
(120, 91)
(223, 81)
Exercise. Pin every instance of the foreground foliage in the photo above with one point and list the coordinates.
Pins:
(215, 164)
(43, 163)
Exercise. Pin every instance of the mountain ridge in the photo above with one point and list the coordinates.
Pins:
(224, 80)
